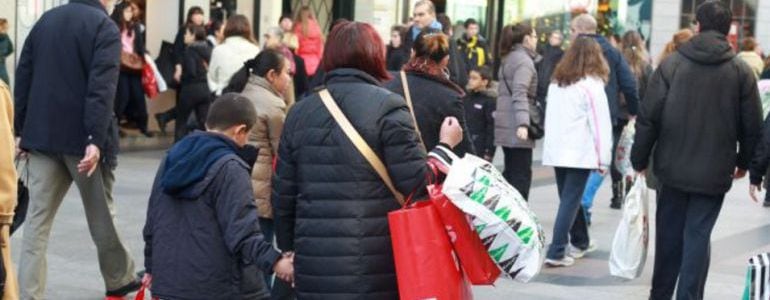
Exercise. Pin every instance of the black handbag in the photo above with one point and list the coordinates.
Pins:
(536, 126)
(22, 199)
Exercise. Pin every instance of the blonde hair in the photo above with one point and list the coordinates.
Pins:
(303, 16)
(679, 38)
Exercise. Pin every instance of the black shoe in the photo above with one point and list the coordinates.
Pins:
(125, 290)
(147, 133)
(766, 203)
(162, 122)
(617, 196)
(615, 203)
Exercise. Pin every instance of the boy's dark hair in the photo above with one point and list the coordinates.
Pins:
(469, 22)
(714, 15)
(485, 73)
(230, 110)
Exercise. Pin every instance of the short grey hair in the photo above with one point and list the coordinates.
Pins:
(275, 31)
(585, 24)
(429, 3)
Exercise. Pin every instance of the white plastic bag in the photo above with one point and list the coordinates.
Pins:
(507, 227)
(623, 152)
(162, 86)
(629, 247)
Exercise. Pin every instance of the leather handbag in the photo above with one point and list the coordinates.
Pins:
(131, 62)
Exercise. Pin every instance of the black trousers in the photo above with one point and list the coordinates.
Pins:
(129, 100)
(683, 243)
(194, 98)
(518, 169)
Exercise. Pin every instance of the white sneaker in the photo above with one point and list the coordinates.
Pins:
(578, 253)
(556, 263)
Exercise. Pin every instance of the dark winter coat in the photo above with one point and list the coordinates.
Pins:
(330, 206)
(622, 80)
(201, 230)
(551, 57)
(195, 63)
(6, 49)
(397, 57)
(761, 160)
(458, 70)
(471, 52)
(479, 110)
(63, 105)
(701, 105)
(433, 102)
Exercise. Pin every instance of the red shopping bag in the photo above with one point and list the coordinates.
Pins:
(149, 84)
(425, 264)
(478, 266)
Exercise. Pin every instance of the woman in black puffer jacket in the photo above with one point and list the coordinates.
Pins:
(330, 206)
(433, 95)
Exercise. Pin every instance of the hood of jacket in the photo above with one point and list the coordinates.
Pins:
(189, 161)
(201, 48)
(710, 48)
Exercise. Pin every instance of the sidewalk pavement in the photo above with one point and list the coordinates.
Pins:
(743, 229)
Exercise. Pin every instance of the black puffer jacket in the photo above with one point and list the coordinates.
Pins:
(700, 104)
(433, 102)
(330, 205)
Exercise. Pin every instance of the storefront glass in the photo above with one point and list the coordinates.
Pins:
(744, 17)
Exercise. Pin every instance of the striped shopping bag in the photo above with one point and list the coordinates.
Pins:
(758, 278)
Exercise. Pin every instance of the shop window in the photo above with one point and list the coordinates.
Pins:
(744, 15)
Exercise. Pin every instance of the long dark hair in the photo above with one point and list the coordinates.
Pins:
(267, 60)
(238, 25)
(195, 10)
(513, 35)
(117, 17)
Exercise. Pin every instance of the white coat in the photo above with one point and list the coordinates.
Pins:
(226, 59)
(578, 129)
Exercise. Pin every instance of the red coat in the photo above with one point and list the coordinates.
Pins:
(311, 45)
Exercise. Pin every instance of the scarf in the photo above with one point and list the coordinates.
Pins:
(428, 68)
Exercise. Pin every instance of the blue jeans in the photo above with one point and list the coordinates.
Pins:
(570, 224)
(592, 186)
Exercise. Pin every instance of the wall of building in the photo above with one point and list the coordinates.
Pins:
(763, 26)
(665, 22)
(270, 14)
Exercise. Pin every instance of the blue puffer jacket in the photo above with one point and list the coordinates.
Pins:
(202, 239)
(622, 80)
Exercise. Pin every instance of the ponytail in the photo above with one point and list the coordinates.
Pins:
(266, 61)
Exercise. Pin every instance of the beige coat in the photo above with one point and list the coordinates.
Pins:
(754, 61)
(271, 112)
(7, 189)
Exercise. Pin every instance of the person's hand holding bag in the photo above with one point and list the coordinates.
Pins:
(451, 132)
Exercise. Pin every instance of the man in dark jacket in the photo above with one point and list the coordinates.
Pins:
(701, 105)
(621, 80)
(65, 89)
(201, 233)
(551, 56)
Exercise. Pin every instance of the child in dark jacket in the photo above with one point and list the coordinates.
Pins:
(479, 107)
(202, 238)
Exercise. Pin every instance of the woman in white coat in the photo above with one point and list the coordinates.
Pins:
(227, 58)
(578, 139)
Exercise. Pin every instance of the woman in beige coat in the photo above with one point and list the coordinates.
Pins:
(7, 190)
(264, 81)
